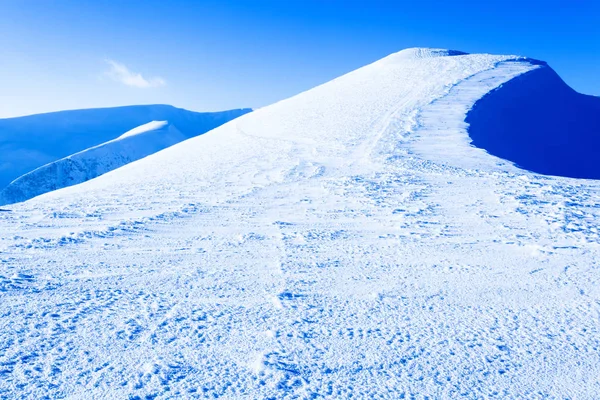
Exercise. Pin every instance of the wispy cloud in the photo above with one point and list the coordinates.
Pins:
(120, 73)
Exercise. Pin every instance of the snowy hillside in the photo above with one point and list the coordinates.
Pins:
(90, 163)
(347, 241)
(29, 142)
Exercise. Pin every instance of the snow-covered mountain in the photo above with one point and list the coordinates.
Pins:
(88, 164)
(27, 143)
(348, 241)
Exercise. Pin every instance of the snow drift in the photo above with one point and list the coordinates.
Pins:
(29, 142)
(541, 124)
(345, 242)
(90, 163)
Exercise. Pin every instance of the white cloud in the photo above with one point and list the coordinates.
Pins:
(120, 73)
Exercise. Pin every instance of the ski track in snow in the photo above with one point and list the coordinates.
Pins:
(335, 244)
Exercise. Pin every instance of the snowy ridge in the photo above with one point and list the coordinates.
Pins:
(27, 143)
(344, 242)
(150, 126)
(418, 52)
(90, 163)
(442, 134)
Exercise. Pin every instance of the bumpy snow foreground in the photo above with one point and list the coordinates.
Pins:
(346, 241)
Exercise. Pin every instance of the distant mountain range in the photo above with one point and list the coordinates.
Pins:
(44, 152)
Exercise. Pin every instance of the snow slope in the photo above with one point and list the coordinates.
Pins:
(80, 167)
(29, 142)
(345, 241)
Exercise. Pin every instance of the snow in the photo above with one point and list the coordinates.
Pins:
(137, 143)
(27, 143)
(541, 124)
(346, 241)
(150, 126)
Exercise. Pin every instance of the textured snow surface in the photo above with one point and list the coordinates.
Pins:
(346, 241)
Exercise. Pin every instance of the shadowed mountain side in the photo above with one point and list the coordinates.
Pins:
(541, 124)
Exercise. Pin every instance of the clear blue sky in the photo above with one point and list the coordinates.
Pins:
(213, 55)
